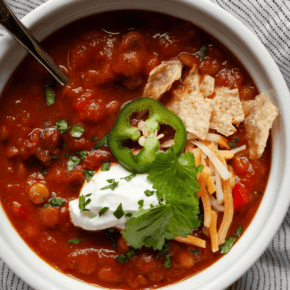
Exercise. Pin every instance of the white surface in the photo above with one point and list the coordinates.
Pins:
(128, 193)
(265, 73)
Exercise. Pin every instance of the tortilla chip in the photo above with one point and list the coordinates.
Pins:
(162, 77)
(190, 89)
(207, 85)
(260, 115)
(227, 111)
(196, 113)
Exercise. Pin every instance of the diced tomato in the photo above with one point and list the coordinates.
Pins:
(240, 196)
(241, 165)
(20, 210)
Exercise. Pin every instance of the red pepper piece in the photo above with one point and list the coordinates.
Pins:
(20, 210)
(240, 196)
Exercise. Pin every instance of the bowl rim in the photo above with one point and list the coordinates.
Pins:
(13, 256)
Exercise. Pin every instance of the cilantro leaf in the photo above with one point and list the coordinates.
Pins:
(56, 201)
(48, 84)
(233, 144)
(225, 248)
(149, 192)
(141, 203)
(164, 251)
(106, 166)
(94, 138)
(103, 142)
(112, 186)
(129, 177)
(88, 174)
(202, 52)
(125, 258)
(110, 234)
(197, 252)
(151, 227)
(239, 231)
(128, 214)
(73, 241)
(50, 96)
(83, 202)
(121, 258)
(72, 161)
(103, 211)
(82, 153)
(118, 213)
(62, 125)
(77, 130)
(174, 178)
(43, 171)
(167, 262)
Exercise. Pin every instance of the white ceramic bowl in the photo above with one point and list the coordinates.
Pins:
(55, 14)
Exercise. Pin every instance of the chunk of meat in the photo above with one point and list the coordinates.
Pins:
(260, 114)
(82, 262)
(162, 77)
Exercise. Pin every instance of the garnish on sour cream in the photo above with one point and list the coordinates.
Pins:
(128, 193)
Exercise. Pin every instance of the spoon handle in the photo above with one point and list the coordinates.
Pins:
(11, 23)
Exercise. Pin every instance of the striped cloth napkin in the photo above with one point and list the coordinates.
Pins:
(270, 21)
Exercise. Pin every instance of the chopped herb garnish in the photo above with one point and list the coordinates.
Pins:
(128, 214)
(225, 248)
(202, 52)
(110, 234)
(121, 258)
(73, 241)
(67, 155)
(56, 201)
(129, 177)
(63, 145)
(233, 144)
(149, 192)
(83, 202)
(106, 166)
(118, 213)
(82, 153)
(94, 138)
(197, 252)
(112, 186)
(103, 210)
(125, 258)
(44, 171)
(141, 203)
(62, 125)
(89, 174)
(50, 96)
(72, 161)
(38, 109)
(48, 84)
(77, 130)
(46, 205)
(167, 262)
(103, 142)
(239, 231)
(174, 179)
(164, 251)
(53, 157)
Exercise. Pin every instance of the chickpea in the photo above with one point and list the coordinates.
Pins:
(49, 216)
(38, 193)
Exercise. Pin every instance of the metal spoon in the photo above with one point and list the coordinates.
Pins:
(12, 24)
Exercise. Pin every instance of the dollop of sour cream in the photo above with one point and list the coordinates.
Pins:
(128, 193)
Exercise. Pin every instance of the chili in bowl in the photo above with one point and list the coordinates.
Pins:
(152, 162)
